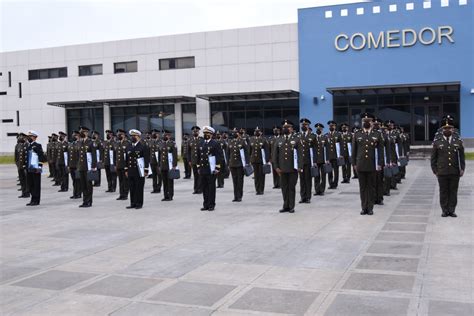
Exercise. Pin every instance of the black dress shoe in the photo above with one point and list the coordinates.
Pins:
(204, 209)
(155, 191)
(370, 212)
(195, 192)
(300, 201)
(211, 209)
(138, 207)
(32, 204)
(108, 191)
(291, 211)
(219, 187)
(444, 214)
(363, 212)
(315, 194)
(130, 206)
(24, 196)
(165, 199)
(62, 190)
(121, 198)
(82, 205)
(283, 210)
(234, 200)
(307, 202)
(453, 214)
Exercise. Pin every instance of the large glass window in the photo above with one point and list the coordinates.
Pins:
(250, 114)
(122, 67)
(49, 73)
(93, 118)
(90, 70)
(176, 63)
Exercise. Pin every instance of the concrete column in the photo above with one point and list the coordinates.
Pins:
(203, 112)
(107, 119)
(178, 125)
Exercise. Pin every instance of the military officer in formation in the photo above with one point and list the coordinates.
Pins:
(259, 158)
(154, 147)
(108, 161)
(62, 151)
(120, 151)
(86, 165)
(222, 140)
(346, 152)
(73, 158)
(184, 156)
(271, 141)
(238, 153)
(448, 165)
(320, 158)
(306, 152)
(136, 168)
(192, 155)
(333, 139)
(36, 158)
(21, 161)
(168, 161)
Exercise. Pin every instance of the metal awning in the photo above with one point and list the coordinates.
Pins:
(251, 96)
(123, 102)
(396, 89)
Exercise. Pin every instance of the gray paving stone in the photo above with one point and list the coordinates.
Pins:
(404, 227)
(275, 301)
(120, 286)
(388, 263)
(55, 280)
(345, 304)
(445, 308)
(135, 309)
(396, 248)
(417, 212)
(408, 219)
(193, 293)
(11, 272)
(380, 282)
(399, 236)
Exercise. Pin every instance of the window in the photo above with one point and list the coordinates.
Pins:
(7, 121)
(90, 117)
(90, 70)
(50, 73)
(9, 79)
(3, 93)
(176, 63)
(129, 66)
(20, 93)
(12, 134)
(17, 118)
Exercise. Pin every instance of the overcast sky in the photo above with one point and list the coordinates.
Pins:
(27, 24)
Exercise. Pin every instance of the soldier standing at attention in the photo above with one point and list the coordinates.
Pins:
(193, 148)
(238, 159)
(346, 142)
(110, 170)
(448, 165)
(379, 175)
(21, 159)
(394, 140)
(320, 158)
(287, 164)
(184, 150)
(35, 150)
(354, 130)
(154, 148)
(307, 140)
(120, 163)
(73, 151)
(259, 156)
(87, 162)
(367, 158)
(61, 161)
(49, 146)
(136, 169)
(168, 154)
(272, 141)
(99, 148)
(208, 154)
(223, 162)
(54, 158)
(332, 143)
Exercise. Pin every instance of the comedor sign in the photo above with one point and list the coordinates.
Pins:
(394, 38)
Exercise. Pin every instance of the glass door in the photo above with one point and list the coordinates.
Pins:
(426, 121)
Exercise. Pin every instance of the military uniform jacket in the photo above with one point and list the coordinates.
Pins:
(108, 146)
(307, 141)
(387, 148)
(393, 142)
(366, 151)
(120, 153)
(224, 157)
(447, 157)
(283, 154)
(332, 138)
(99, 149)
(319, 149)
(184, 149)
(233, 152)
(206, 149)
(61, 148)
(406, 143)
(52, 157)
(49, 149)
(193, 147)
(21, 155)
(271, 141)
(73, 157)
(133, 153)
(382, 144)
(165, 148)
(346, 139)
(86, 146)
(256, 146)
(38, 149)
(154, 147)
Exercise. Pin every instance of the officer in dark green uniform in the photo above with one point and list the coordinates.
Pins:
(87, 162)
(287, 164)
(319, 151)
(238, 154)
(54, 158)
(333, 139)
(73, 158)
(394, 139)
(99, 148)
(448, 164)
(367, 159)
(110, 169)
(168, 154)
(346, 152)
(271, 141)
(61, 161)
(379, 175)
(224, 170)
(306, 154)
(193, 148)
(21, 160)
(120, 163)
(184, 151)
(154, 149)
(259, 156)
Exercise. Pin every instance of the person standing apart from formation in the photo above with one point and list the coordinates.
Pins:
(367, 158)
(208, 155)
(36, 158)
(448, 165)
(136, 168)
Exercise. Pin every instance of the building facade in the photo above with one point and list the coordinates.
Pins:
(410, 61)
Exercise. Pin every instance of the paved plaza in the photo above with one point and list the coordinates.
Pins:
(245, 258)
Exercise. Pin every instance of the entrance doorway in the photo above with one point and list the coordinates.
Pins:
(425, 121)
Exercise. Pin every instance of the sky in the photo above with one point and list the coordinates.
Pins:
(29, 24)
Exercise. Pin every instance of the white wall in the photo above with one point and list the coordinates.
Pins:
(238, 60)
